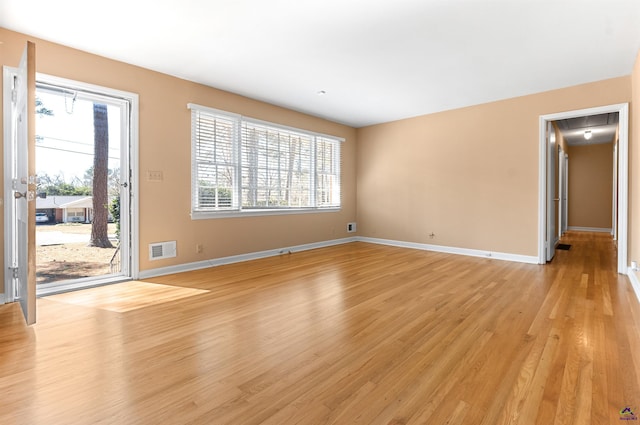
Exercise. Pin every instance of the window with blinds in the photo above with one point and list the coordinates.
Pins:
(242, 165)
(214, 161)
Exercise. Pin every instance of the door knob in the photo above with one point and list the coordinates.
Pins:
(29, 195)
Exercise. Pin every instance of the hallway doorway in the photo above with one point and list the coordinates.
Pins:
(547, 220)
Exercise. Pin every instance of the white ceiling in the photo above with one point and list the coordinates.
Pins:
(377, 60)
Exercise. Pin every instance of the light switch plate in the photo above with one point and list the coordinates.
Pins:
(154, 176)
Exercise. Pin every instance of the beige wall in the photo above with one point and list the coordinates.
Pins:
(591, 186)
(165, 146)
(469, 175)
(634, 164)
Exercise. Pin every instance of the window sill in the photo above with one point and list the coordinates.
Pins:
(256, 213)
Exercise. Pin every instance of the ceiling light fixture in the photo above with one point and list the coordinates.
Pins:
(587, 134)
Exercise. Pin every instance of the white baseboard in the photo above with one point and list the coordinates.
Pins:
(145, 274)
(590, 229)
(453, 250)
(180, 268)
(635, 282)
(2, 299)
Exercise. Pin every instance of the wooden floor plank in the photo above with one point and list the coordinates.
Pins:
(356, 333)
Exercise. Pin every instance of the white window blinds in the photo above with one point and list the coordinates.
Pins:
(241, 164)
(327, 172)
(214, 168)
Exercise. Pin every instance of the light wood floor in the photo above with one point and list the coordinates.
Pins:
(353, 334)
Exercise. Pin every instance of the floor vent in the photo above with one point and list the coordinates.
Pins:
(161, 250)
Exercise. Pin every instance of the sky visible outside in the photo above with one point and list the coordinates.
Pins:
(64, 144)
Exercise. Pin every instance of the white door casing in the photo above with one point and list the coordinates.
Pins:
(127, 103)
(622, 217)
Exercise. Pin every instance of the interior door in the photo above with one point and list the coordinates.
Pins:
(551, 192)
(561, 191)
(565, 194)
(22, 253)
(614, 211)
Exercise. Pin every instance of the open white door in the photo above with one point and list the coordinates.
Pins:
(563, 187)
(614, 208)
(20, 201)
(552, 200)
(564, 200)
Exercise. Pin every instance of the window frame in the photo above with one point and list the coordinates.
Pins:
(237, 209)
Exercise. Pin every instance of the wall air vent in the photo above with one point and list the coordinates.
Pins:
(161, 250)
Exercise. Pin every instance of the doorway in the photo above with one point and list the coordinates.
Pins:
(86, 204)
(545, 197)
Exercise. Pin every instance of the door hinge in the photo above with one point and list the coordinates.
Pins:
(14, 272)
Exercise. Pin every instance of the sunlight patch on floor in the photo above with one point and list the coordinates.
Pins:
(126, 296)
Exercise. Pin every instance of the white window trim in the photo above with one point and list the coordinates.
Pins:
(252, 212)
(200, 215)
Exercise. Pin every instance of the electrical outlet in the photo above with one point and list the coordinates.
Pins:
(199, 248)
(351, 227)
